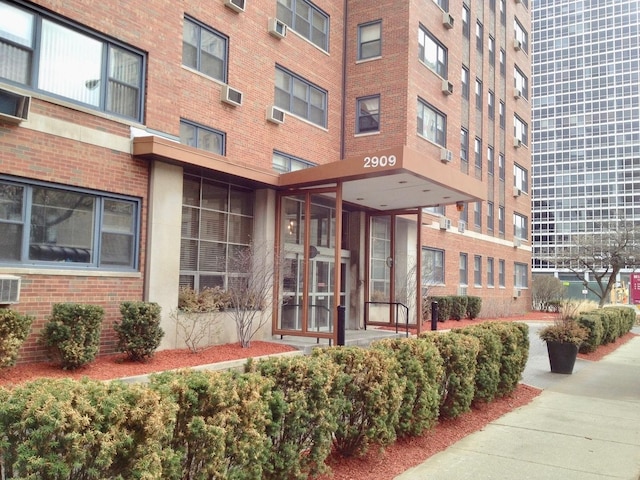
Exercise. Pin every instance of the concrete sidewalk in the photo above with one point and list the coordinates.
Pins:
(583, 426)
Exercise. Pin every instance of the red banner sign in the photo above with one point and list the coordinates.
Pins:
(634, 287)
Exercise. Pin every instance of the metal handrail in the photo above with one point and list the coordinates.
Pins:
(397, 305)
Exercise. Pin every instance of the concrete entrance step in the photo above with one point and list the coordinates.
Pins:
(361, 338)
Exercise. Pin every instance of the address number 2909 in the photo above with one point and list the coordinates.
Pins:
(382, 161)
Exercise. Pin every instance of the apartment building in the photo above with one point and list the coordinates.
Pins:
(586, 121)
(143, 145)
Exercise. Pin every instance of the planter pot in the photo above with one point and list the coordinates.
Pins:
(562, 356)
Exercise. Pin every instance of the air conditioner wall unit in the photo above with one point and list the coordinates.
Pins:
(462, 291)
(517, 243)
(277, 28)
(517, 292)
(516, 192)
(447, 87)
(231, 96)
(445, 223)
(517, 93)
(517, 44)
(447, 20)
(14, 107)
(462, 226)
(9, 289)
(235, 5)
(517, 143)
(275, 115)
(446, 155)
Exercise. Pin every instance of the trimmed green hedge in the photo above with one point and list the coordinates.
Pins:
(514, 337)
(14, 330)
(606, 325)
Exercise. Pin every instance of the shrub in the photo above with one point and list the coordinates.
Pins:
(64, 429)
(421, 366)
(488, 362)
(207, 300)
(459, 353)
(593, 324)
(474, 306)
(458, 307)
(72, 333)
(444, 307)
(514, 337)
(14, 329)
(219, 428)
(139, 332)
(627, 318)
(303, 415)
(368, 392)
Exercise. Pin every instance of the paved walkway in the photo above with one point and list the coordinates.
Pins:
(583, 426)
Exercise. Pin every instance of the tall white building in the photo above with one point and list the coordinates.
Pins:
(586, 122)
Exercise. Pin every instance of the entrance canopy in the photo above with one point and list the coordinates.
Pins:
(393, 179)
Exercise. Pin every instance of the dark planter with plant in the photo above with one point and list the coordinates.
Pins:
(563, 340)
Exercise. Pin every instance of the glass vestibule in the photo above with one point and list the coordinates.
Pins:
(308, 274)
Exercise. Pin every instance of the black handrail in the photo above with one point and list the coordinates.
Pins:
(397, 305)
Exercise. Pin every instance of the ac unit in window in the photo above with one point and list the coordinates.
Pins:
(231, 96)
(235, 5)
(517, 292)
(462, 291)
(275, 115)
(517, 44)
(517, 242)
(14, 107)
(9, 289)
(445, 223)
(516, 192)
(447, 87)
(517, 93)
(277, 28)
(446, 155)
(517, 142)
(462, 226)
(447, 20)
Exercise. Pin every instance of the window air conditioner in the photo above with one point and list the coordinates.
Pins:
(277, 28)
(445, 223)
(517, 93)
(447, 20)
(516, 192)
(517, 242)
(517, 143)
(235, 5)
(516, 292)
(231, 96)
(446, 155)
(9, 289)
(447, 87)
(462, 291)
(275, 115)
(517, 44)
(462, 226)
(14, 107)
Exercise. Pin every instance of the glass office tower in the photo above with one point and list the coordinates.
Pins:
(586, 128)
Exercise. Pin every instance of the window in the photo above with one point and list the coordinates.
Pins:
(490, 219)
(501, 114)
(490, 272)
(521, 35)
(434, 210)
(217, 224)
(503, 12)
(431, 124)
(477, 214)
(501, 220)
(521, 82)
(368, 113)
(520, 229)
(520, 275)
(464, 80)
(501, 167)
(479, 100)
(464, 214)
(202, 137)
(204, 49)
(105, 76)
(477, 150)
(520, 129)
(432, 266)
(503, 62)
(466, 15)
(520, 178)
(492, 50)
(464, 273)
(464, 147)
(370, 40)
(380, 283)
(282, 162)
(501, 273)
(477, 271)
(491, 106)
(479, 36)
(306, 20)
(45, 225)
(301, 98)
(443, 4)
(490, 160)
(432, 52)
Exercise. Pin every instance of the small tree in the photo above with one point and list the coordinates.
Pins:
(250, 290)
(139, 333)
(601, 255)
(547, 291)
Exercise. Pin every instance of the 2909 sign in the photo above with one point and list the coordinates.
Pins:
(382, 161)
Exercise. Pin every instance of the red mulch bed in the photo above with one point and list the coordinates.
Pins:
(378, 464)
